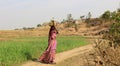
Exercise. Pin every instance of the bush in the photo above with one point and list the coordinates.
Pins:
(93, 22)
(105, 54)
(107, 49)
(114, 34)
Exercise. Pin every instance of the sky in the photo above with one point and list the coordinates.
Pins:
(29, 13)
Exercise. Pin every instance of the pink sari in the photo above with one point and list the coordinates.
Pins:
(49, 54)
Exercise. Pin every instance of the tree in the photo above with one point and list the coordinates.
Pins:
(69, 18)
(39, 25)
(24, 28)
(81, 17)
(113, 15)
(106, 15)
(118, 17)
(63, 21)
(118, 10)
(89, 15)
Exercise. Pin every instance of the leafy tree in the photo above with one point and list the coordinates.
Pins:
(39, 25)
(118, 17)
(81, 17)
(69, 18)
(24, 28)
(118, 10)
(106, 15)
(63, 21)
(113, 15)
(88, 20)
(89, 15)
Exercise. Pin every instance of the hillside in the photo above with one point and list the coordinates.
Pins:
(82, 29)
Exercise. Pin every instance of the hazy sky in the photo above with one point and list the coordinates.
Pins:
(29, 13)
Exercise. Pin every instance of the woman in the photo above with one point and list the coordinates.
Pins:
(49, 54)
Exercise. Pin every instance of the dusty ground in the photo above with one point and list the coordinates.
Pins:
(63, 56)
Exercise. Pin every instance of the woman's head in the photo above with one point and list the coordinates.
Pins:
(53, 29)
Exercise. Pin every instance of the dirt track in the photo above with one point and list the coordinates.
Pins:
(62, 56)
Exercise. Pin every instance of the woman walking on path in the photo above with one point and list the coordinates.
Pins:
(49, 54)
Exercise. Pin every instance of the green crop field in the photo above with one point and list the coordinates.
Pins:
(19, 50)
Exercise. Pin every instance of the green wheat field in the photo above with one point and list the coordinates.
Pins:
(16, 51)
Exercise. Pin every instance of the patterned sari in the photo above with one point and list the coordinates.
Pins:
(49, 54)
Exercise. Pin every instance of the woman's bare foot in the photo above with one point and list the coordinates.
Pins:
(53, 62)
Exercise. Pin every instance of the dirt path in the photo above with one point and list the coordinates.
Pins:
(62, 56)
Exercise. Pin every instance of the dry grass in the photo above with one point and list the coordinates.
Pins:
(105, 55)
(43, 31)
